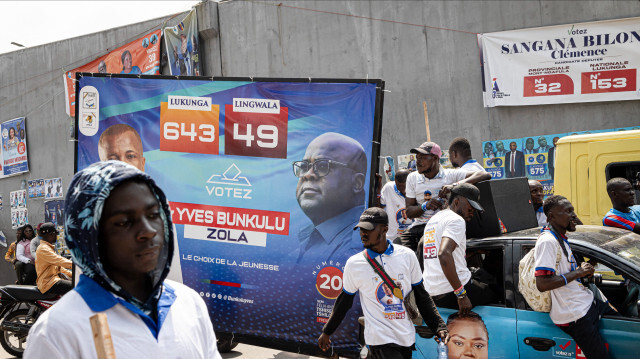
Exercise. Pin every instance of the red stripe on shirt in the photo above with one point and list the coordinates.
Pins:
(543, 272)
(619, 222)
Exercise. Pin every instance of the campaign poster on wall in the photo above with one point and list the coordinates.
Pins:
(266, 180)
(19, 217)
(54, 212)
(140, 56)
(53, 188)
(14, 147)
(18, 199)
(583, 62)
(183, 48)
(532, 156)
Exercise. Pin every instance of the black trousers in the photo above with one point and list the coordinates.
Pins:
(478, 293)
(389, 351)
(410, 237)
(26, 273)
(585, 331)
(61, 287)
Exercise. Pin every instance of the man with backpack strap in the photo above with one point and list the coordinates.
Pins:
(573, 307)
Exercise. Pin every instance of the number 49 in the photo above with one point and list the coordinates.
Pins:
(269, 133)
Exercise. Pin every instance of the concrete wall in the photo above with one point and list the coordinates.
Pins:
(31, 85)
(242, 38)
(418, 64)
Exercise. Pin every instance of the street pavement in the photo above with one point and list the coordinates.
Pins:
(241, 351)
(250, 351)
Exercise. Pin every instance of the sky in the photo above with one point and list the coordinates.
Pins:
(33, 23)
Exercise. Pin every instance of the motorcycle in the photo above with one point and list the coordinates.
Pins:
(20, 307)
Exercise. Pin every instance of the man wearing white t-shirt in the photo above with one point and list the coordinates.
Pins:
(388, 331)
(392, 199)
(432, 177)
(573, 306)
(446, 275)
(460, 155)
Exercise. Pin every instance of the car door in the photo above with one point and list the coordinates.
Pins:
(620, 333)
(537, 336)
(498, 318)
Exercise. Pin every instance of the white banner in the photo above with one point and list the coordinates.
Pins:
(586, 62)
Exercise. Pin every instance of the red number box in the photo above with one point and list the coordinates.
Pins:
(608, 81)
(548, 85)
(189, 131)
(256, 134)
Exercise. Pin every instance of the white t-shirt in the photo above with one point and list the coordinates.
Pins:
(445, 223)
(569, 302)
(472, 166)
(394, 204)
(384, 323)
(417, 184)
(64, 331)
(542, 218)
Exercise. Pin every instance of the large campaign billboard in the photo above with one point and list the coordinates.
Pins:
(266, 180)
(581, 62)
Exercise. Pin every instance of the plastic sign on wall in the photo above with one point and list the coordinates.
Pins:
(265, 181)
(586, 62)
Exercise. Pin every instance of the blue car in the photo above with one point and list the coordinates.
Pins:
(516, 331)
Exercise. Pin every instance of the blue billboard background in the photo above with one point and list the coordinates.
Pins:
(252, 290)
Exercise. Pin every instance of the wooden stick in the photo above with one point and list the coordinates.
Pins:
(426, 120)
(102, 336)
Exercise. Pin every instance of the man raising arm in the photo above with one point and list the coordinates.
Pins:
(432, 177)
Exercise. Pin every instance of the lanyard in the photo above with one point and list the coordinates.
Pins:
(379, 270)
(571, 261)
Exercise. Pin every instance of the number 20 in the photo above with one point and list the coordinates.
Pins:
(335, 282)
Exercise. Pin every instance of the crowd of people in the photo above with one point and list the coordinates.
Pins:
(415, 249)
(36, 261)
(438, 203)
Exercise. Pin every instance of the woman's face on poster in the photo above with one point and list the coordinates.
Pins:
(469, 339)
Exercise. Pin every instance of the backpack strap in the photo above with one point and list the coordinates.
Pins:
(383, 274)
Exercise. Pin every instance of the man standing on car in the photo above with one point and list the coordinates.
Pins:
(388, 331)
(573, 307)
(430, 175)
(446, 275)
(460, 155)
(392, 199)
(624, 214)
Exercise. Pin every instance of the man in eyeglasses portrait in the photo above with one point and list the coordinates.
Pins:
(330, 191)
